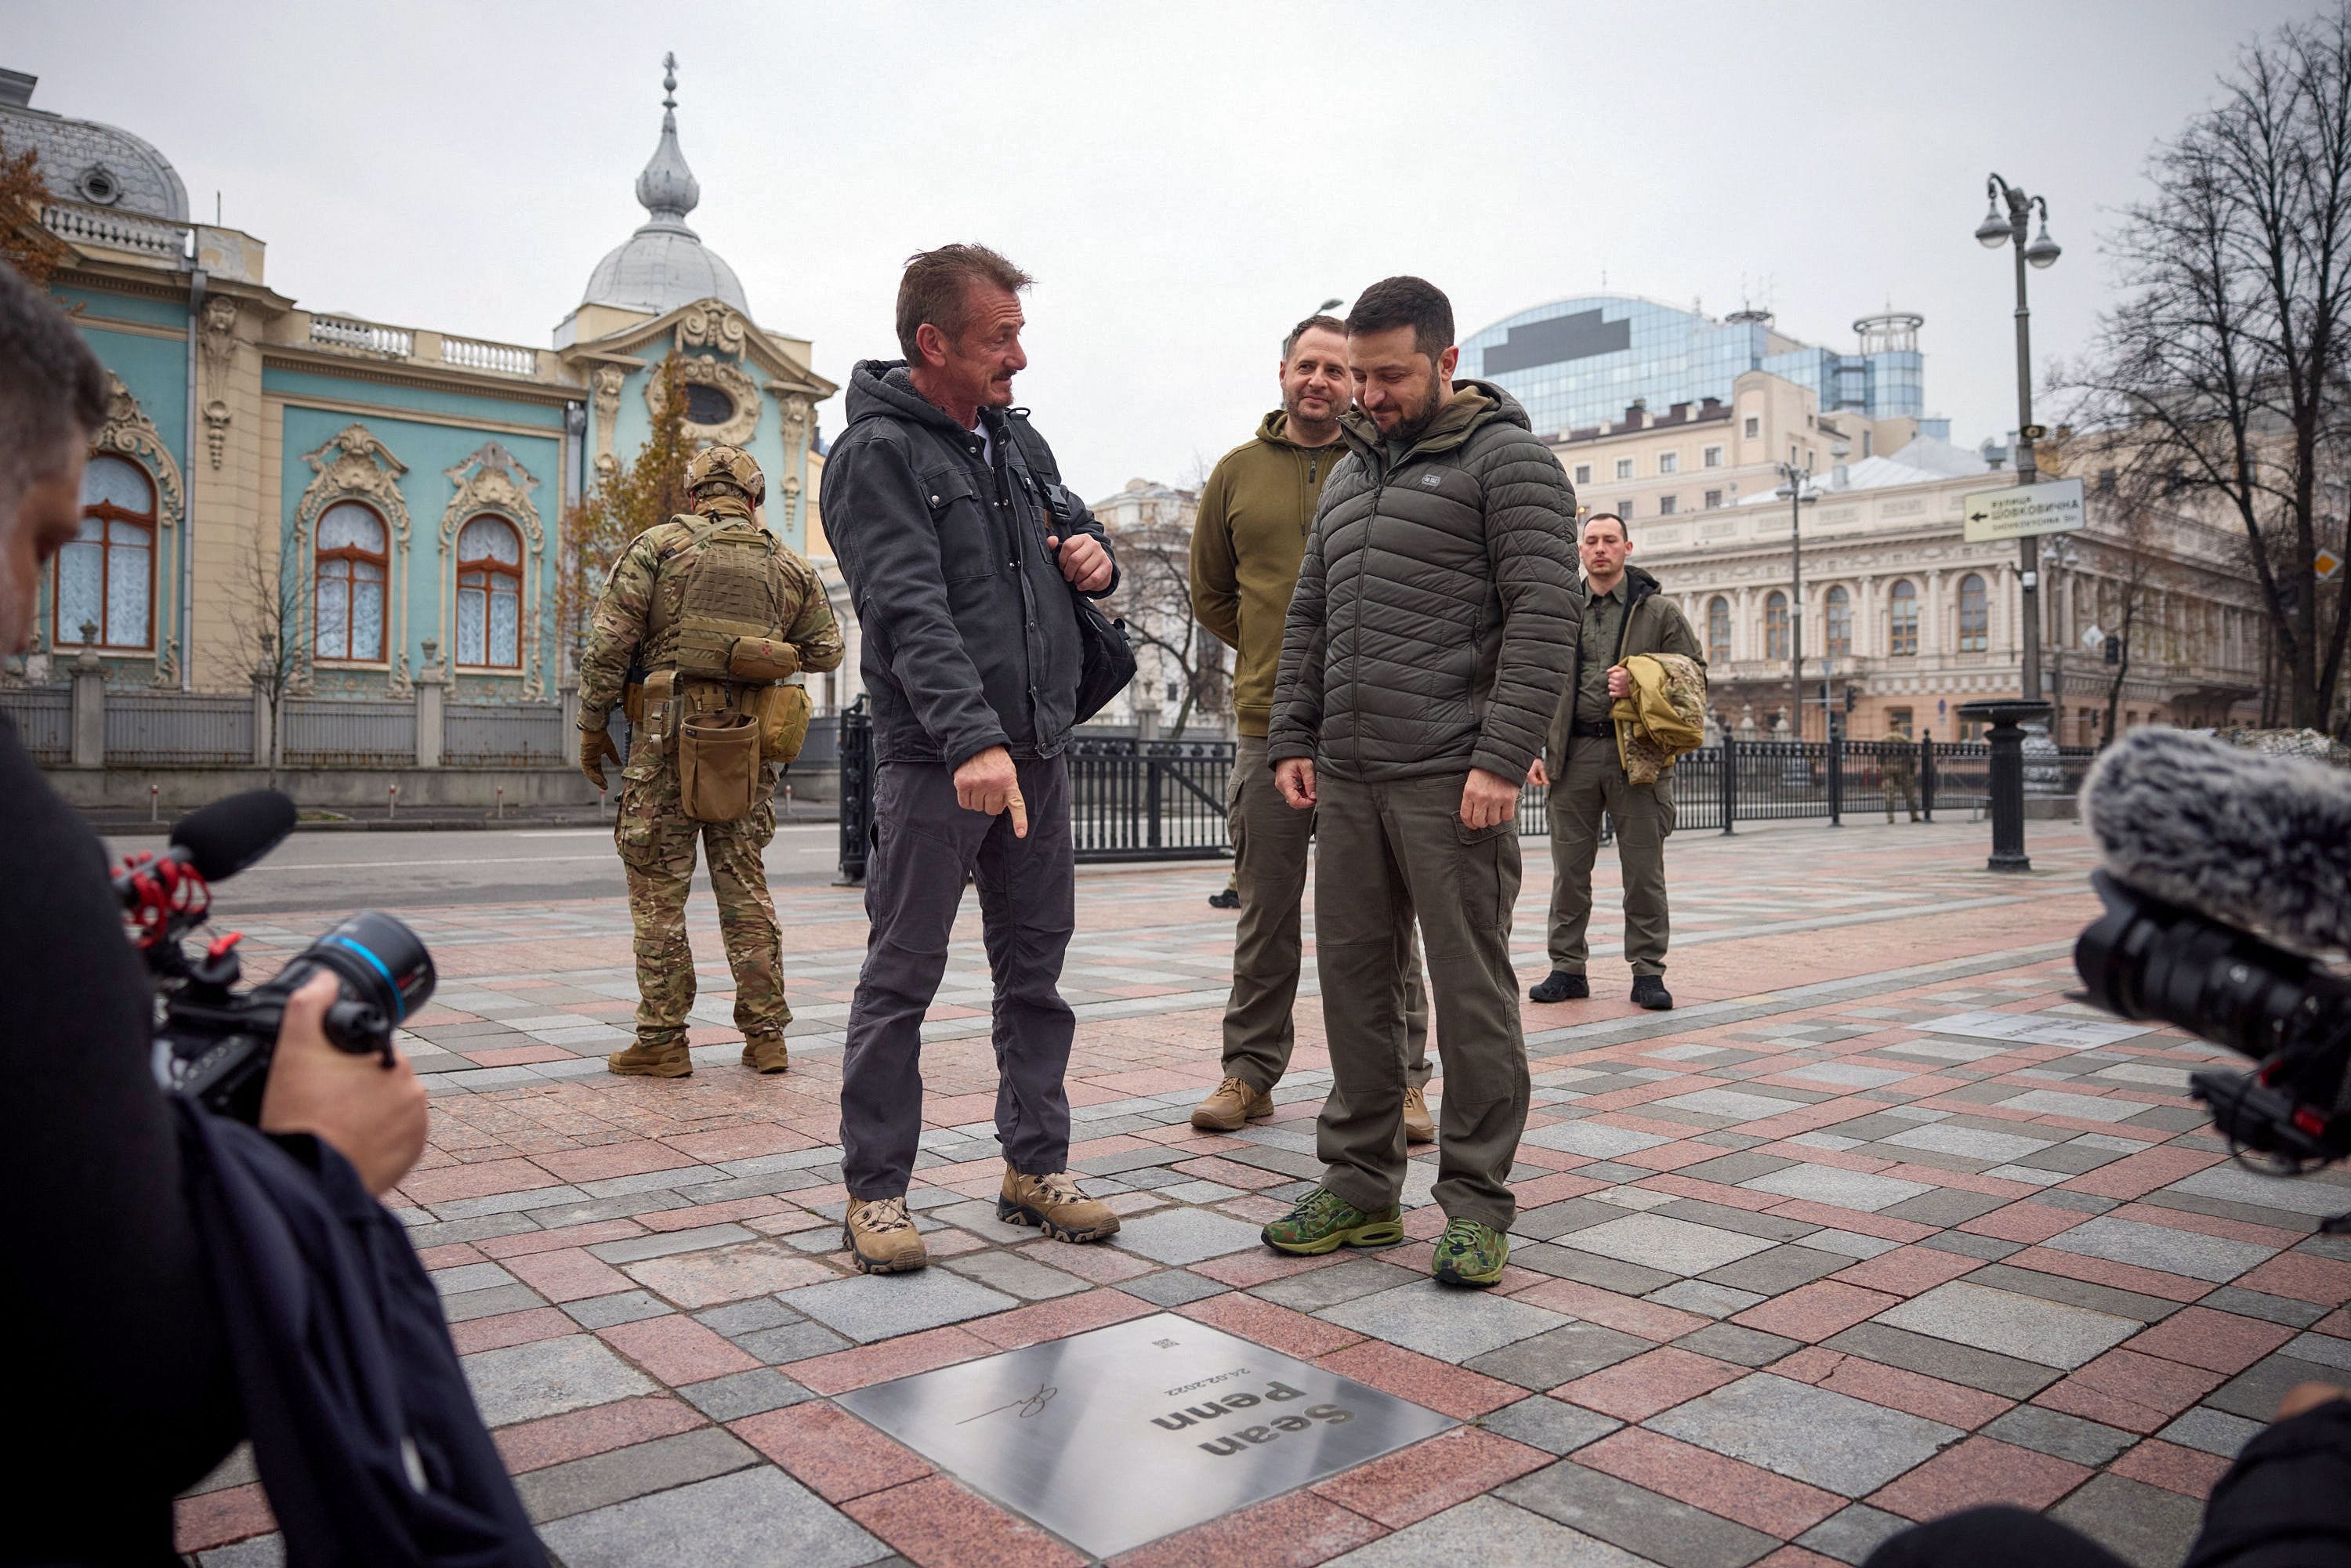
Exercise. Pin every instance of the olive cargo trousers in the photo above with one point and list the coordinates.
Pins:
(1592, 782)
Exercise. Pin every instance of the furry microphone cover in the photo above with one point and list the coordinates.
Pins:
(2260, 842)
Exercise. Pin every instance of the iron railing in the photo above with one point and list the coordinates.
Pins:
(150, 728)
(503, 734)
(347, 732)
(44, 719)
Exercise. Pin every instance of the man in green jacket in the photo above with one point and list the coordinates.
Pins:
(1254, 513)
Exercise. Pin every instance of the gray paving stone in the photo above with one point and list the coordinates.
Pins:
(1738, 1106)
(1708, 1300)
(601, 1479)
(1656, 1241)
(1659, 1529)
(1593, 1138)
(742, 1394)
(1559, 1355)
(1746, 1221)
(2146, 1526)
(2085, 1202)
(2067, 1437)
(1555, 1220)
(2011, 1324)
(548, 1376)
(1850, 1534)
(1781, 1268)
(747, 1317)
(1732, 1169)
(1740, 1347)
(1970, 1143)
(470, 1277)
(871, 1307)
(663, 1243)
(2075, 1292)
(2233, 1183)
(1591, 1269)
(261, 1552)
(2254, 1393)
(1173, 1287)
(792, 1342)
(472, 1304)
(1182, 1235)
(1016, 1275)
(1492, 1534)
(1836, 1187)
(620, 1307)
(1442, 1321)
(2189, 1252)
(2213, 1431)
(2283, 1310)
(1945, 1205)
(757, 1518)
(1814, 1435)
(1984, 1369)
(2324, 1349)
(1320, 1288)
(1552, 1424)
(1988, 1248)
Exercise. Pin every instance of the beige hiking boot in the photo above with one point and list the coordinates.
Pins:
(766, 1053)
(1418, 1128)
(1055, 1206)
(1233, 1103)
(881, 1239)
(666, 1058)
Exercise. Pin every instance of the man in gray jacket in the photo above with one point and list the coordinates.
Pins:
(1435, 616)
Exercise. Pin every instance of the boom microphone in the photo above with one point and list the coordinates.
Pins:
(217, 841)
(2262, 842)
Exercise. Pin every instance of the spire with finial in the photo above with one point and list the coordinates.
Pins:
(667, 188)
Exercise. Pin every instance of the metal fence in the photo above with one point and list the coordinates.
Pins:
(348, 732)
(1149, 800)
(501, 735)
(44, 719)
(149, 729)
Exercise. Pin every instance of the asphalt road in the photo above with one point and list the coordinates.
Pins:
(335, 871)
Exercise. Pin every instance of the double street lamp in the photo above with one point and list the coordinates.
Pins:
(2010, 228)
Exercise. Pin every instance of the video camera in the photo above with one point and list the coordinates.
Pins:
(213, 1042)
(2203, 841)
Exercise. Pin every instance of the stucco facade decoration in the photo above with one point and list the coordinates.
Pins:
(251, 419)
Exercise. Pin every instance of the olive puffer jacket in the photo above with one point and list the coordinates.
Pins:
(1438, 607)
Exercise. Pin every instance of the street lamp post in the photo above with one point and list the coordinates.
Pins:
(1996, 230)
(1797, 486)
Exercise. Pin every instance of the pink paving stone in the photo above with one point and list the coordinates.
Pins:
(1916, 1393)
(842, 1370)
(1058, 1318)
(1102, 1265)
(598, 1430)
(1294, 1531)
(2215, 1341)
(1978, 1471)
(1810, 1365)
(216, 1518)
(511, 1328)
(1610, 1309)
(697, 1280)
(1243, 1269)
(1670, 1156)
(2027, 1222)
(634, 1157)
(723, 1144)
(523, 1243)
(1403, 1488)
(1796, 1557)
(2304, 1276)
(2188, 1471)
(2136, 1176)
(1908, 1271)
(793, 1221)
(676, 1349)
(2123, 1388)
(449, 1255)
(1116, 1144)
(1249, 1178)
(1276, 1327)
(938, 1524)
(1455, 1391)
(2101, 1271)
(1653, 1380)
(1552, 1189)
(571, 1274)
(451, 1182)
(1710, 1191)
(1884, 1226)
(517, 1055)
(829, 1451)
(1737, 1491)
(1257, 1208)
(1815, 1311)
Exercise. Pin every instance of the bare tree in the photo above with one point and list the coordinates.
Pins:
(2135, 544)
(265, 617)
(1155, 597)
(2220, 376)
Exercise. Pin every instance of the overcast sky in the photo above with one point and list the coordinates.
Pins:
(1184, 180)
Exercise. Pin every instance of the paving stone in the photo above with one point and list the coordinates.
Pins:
(1593, 1138)
(1552, 1424)
(1172, 1287)
(1970, 1143)
(1491, 1533)
(2047, 1431)
(1181, 1236)
(662, 1243)
(871, 1307)
(1591, 1269)
(741, 1394)
(1559, 1355)
(757, 1518)
(559, 1490)
(2175, 1251)
(2212, 1431)
(2011, 1324)
(1442, 1321)
(2247, 1304)
(2075, 1292)
(1738, 1345)
(1781, 1268)
(1554, 1220)
(1319, 1287)
(621, 1307)
(1706, 1300)
(2233, 1183)
(1732, 1169)
(792, 1342)
(548, 1376)
(1944, 1206)
(2254, 1393)
(1738, 1106)
(2147, 1527)
(1850, 1534)
(261, 1552)
(1969, 1245)
(1722, 1217)
(1836, 1187)
(747, 1317)
(2324, 1349)
(1848, 1446)
(1931, 1357)
(1659, 1529)
(1656, 1242)
(469, 1277)
(472, 1304)
(1015, 1275)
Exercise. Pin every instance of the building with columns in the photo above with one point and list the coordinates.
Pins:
(383, 502)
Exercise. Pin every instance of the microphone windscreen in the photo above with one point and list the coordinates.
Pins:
(227, 836)
(2262, 843)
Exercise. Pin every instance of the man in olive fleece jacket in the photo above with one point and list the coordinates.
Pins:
(1436, 614)
(1254, 513)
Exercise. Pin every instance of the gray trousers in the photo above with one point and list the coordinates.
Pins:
(1269, 845)
(1592, 781)
(1389, 850)
(925, 845)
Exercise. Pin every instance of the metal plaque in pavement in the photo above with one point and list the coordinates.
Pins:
(1115, 1438)
(2033, 1029)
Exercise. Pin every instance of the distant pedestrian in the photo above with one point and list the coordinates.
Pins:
(1897, 764)
(1434, 619)
(1255, 511)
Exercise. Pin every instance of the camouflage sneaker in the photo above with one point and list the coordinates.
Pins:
(1470, 1253)
(647, 1059)
(1324, 1222)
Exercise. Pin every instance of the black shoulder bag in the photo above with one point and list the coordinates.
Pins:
(1109, 662)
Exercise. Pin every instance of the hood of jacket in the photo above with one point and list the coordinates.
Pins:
(886, 387)
(1474, 402)
(1274, 431)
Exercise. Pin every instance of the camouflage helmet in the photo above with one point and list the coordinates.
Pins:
(726, 466)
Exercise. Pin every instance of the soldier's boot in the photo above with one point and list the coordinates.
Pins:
(880, 1236)
(766, 1053)
(652, 1058)
(1232, 1105)
(1054, 1205)
(1419, 1126)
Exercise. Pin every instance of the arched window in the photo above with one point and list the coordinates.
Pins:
(1839, 625)
(1775, 625)
(489, 595)
(352, 568)
(1975, 615)
(1902, 618)
(1717, 631)
(105, 577)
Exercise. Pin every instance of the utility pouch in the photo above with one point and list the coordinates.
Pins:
(718, 767)
(762, 659)
(633, 704)
(704, 650)
(655, 716)
(784, 714)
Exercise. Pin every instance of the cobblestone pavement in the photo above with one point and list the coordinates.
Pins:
(1876, 1225)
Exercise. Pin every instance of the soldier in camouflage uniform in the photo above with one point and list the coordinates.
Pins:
(634, 623)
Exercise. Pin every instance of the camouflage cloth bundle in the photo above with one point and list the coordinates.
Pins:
(1663, 717)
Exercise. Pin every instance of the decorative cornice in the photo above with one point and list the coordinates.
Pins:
(361, 468)
(492, 480)
(713, 324)
(729, 378)
(129, 431)
(430, 378)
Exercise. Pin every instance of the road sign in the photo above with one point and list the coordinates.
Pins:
(2327, 566)
(2094, 638)
(2055, 507)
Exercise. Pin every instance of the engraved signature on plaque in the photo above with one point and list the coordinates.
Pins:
(1032, 1406)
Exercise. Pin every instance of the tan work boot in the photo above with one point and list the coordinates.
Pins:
(646, 1059)
(1233, 1103)
(1418, 1128)
(881, 1239)
(1055, 1206)
(766, 1053)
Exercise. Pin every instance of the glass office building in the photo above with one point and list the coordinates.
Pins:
(1580, 364)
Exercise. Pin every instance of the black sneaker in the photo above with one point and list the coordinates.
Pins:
(1650, 991)
(1228, 899)
(1563, 986)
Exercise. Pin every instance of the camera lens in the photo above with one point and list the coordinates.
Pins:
(380, 962)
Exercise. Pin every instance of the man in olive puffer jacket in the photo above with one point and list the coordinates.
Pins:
(1434, 617)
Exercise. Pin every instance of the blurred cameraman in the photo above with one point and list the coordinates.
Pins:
(117, 1368)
